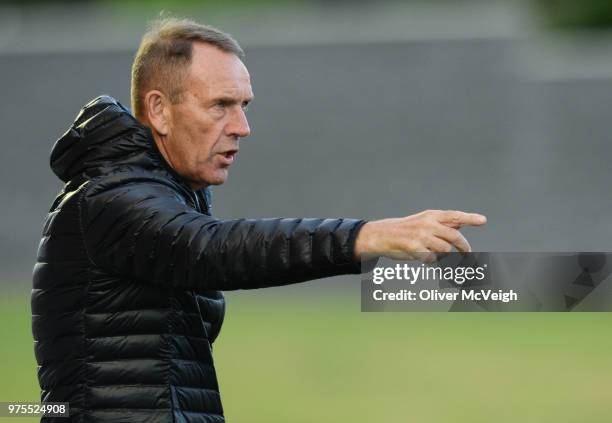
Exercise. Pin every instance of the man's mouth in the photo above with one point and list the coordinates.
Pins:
(228, 156)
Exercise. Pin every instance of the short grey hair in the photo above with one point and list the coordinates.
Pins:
(164, 56)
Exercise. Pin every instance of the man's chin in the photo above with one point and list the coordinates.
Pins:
(218, 178)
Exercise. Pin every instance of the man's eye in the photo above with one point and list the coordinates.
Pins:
(245, 106)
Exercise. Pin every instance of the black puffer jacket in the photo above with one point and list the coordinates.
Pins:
(126, 299)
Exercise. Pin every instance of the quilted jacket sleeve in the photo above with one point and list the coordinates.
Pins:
(144, 230)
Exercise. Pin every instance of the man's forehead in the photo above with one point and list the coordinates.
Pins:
(224, 88)
(221, 79)
(211, 64)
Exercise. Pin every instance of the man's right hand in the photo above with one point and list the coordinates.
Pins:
(418, 237)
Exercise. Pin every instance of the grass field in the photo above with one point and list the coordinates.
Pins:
(290, 358)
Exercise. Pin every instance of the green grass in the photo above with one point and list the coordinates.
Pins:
(303, 358)
(17, 363)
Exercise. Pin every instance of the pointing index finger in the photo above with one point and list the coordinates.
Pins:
(457, 219)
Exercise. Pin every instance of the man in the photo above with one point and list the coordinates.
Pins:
(126, 300)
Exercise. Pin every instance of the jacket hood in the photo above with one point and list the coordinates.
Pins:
(104, 133)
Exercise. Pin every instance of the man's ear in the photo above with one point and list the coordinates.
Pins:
(157, 111)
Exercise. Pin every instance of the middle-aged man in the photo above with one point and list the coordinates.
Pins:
(127, 288)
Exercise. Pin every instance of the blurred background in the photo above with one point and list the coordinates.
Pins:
(363, 109)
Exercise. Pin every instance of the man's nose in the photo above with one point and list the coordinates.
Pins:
(239, 125)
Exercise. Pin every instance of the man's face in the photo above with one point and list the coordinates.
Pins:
(206, 125)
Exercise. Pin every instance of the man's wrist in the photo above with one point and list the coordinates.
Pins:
(362, 241)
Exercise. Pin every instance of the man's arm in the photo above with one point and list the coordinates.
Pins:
(143, 230)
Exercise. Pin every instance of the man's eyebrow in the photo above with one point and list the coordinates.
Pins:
(231, 100)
